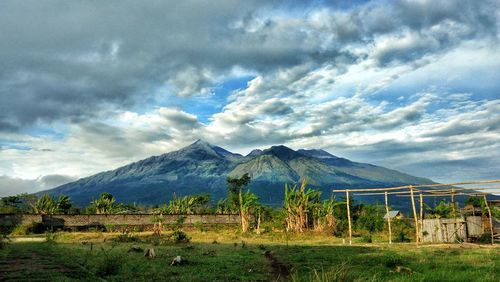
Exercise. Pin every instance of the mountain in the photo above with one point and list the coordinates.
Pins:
(203, 168)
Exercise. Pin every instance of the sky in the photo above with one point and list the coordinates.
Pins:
(87, 86)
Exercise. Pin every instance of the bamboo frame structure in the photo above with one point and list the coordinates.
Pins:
(419, 186)
(411, 189)
(388, 218)
(436, 193)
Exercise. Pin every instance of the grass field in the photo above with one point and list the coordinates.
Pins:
(226, 255)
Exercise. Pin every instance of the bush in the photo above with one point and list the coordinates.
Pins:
(4, 240)
(50, 237)
(200, 226)
(28, 228)
(340, 272)
(401, 237)
(125, 237)
(485, 238)
(366, 238)
(392, 259)
(21, 229)
(109, 264)
(180, 236)
(110, 227)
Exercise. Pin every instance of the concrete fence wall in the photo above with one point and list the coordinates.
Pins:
(69, 221)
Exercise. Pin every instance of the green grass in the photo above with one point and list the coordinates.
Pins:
(226, 255)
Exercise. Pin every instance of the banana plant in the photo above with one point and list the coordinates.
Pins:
(103, 205)
(248, 202)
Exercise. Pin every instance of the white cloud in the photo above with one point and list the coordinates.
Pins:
(391, 83)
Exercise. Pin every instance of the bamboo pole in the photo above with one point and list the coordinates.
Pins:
(414, 215)
(445, 195)
(453, 204)
(434, 191)
(421, 217)
(349, 217)
(491, 220)
(454, 210)
(388, 218)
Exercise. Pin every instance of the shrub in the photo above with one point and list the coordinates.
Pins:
(180, 236)
(4, 240)
(485, 238)
(109, 264)
(401, 237)
(200, 226)
(125, 237)
(50, 237)
(392, 259)
(366, 238)
(339, 272)
(21, 229)
(28, 228)
(110, 227)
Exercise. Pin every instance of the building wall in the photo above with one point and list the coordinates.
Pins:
(449, 230)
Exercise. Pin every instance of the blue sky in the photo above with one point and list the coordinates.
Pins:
(411, 85)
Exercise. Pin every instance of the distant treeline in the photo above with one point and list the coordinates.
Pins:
(303, 209)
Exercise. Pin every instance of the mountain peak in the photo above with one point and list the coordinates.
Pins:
(317, 153)
(201, 142)
(254, 152)
(282, 152)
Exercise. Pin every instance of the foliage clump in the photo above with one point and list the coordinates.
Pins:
(179, 236)
(304, 209)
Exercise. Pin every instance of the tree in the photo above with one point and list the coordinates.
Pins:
(21, 203)
(248, 202)
(299, 206)
(244, 202)
(442, 210)
(103, 205)
(224, 207)
(235, 186)
(49, 205)
(191, 204)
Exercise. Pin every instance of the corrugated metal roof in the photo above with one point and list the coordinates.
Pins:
(391, 214)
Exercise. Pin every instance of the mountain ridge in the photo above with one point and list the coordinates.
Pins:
(203, 168)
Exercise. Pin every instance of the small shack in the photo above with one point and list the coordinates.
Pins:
(393, 215)
(453, 230)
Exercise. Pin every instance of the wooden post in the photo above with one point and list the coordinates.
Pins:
(421, 217)
(414, 215)
(491, 220)
(388, 218)
(454, 211)
(453, 203)
(349, 216)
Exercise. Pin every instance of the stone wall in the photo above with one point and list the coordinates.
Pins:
(70, 221)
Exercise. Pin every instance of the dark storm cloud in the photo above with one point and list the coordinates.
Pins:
(71, 59)
(76, 59)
